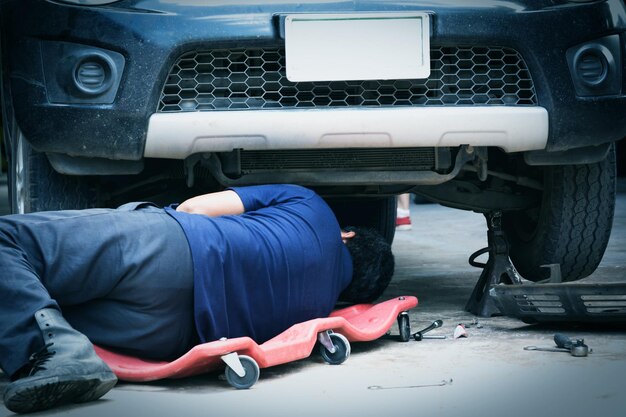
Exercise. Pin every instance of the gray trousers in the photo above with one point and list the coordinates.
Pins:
(122, 277)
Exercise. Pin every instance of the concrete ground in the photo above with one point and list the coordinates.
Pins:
(486, 374)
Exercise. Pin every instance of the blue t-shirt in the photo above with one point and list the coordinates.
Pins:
(258, 273)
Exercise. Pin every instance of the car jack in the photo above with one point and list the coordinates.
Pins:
(497, 270)
(553, 300)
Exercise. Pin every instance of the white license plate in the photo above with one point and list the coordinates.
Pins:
(364, 46)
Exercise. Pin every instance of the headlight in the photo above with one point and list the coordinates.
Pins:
(88, 2)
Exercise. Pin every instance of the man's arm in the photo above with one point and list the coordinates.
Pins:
(214, 204)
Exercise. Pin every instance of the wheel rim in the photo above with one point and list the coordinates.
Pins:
(19, 172)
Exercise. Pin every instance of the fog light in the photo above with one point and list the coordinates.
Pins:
(591, 66)
(94, 74)
(596, 66)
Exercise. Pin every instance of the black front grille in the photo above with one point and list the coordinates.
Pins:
(255, 79)
(411, 159)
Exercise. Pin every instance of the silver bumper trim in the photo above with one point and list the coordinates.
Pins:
(179, 135)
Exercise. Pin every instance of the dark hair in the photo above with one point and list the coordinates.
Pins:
(372, 264)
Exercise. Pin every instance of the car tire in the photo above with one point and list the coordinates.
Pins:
(35, 186)
(379, 214)
(571, 227)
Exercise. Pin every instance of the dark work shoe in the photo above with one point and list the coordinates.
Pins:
(65, 370)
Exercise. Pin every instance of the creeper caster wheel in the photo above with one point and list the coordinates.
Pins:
(334, 348)
(404, 326)
(244, 377)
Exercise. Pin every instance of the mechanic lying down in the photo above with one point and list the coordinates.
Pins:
(154, 282)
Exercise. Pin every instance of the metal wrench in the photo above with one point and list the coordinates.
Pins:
(420, 335)
(440, 384)
(576, 348)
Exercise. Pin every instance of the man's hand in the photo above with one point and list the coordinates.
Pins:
(213, 204)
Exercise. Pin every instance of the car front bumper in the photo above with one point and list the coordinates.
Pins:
(145, 38)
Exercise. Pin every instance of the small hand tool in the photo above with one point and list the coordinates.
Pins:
(418, 336)
(576, 348)
(440, 384)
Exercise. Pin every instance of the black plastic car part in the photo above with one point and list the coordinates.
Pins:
(557, 303)
(596, 67)
(79, 74)
(586, 155)
(256, 78)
